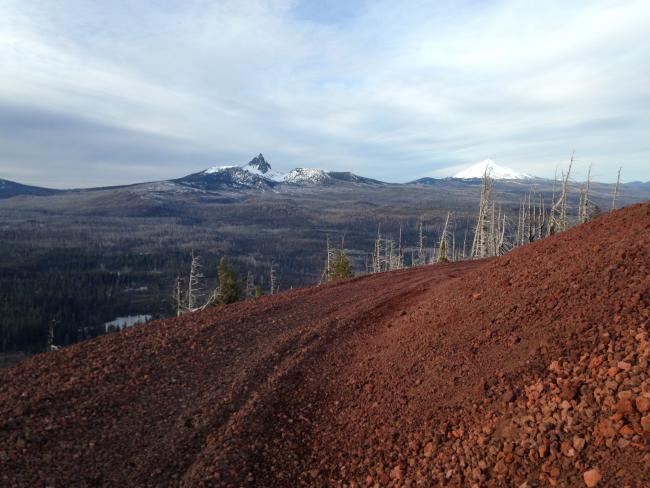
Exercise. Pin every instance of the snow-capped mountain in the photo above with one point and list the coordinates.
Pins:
(258, 166)
(258, 174)
(495, 171)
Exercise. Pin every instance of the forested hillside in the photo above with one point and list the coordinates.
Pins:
(80, 259)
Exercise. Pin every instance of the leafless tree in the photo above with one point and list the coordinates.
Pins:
(484, 224)
(327, 270)
(50, 337)
(273, 281)
(178, 298)
(618, 182)
(377, 254)
(558, 219)
(249, 290)
(421, 253)
(195, 285)
(583, 207)
(444, 245)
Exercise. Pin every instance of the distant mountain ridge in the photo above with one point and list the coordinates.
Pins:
(258, 175)
(9, 189)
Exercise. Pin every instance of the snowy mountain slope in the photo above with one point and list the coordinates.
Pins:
(496, 171)
(258, 174)
(307, 176)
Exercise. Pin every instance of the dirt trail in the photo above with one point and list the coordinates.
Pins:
(527, 370)
(138, 408)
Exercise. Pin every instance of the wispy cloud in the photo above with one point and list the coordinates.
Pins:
(112, 92)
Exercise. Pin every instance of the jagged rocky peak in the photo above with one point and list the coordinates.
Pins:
(259, 163)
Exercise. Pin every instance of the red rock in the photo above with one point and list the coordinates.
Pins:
(428, 449)
(578, 443)
(591, 477)
(500, 468)
(595, 362)
(626, 430)
(508, 396)
(624, 365)
(625, 395)
(606, 429)
(569, 391)
(542, 450)
(645, 423)
(642, 404)
(623, 406)
(566, 449)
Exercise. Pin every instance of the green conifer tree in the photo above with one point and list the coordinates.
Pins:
(258, 291)
(229, 287)
(340, 266)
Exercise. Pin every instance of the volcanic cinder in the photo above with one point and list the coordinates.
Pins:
(526, 370)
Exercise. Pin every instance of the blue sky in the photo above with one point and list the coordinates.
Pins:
(98, 93)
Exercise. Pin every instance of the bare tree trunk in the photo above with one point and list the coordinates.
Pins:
(421, 256)
(480, 246)
(564, 222)
(194, 286)
(328, 267)
(327, 272)
(376, 258)
(583, 212)
(272, 281)
(502, 234)
(519, 237)
(542, 217)
(250, 286)
(178, 298)
(442, 250)
(552, 223)
(558, 220)
(618, 182)
(50, 336)
(453, 245)
(400, 251)
(465, 243)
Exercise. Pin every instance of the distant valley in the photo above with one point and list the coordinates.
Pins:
(84, 257)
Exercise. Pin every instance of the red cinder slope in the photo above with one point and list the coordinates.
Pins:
(531, 368)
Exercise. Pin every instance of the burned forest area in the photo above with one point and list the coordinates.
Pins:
(75, 261)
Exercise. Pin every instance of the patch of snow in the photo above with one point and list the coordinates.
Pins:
(269, 175)
(249, 173)
(495, 171)
(218, 169)
(312, 176)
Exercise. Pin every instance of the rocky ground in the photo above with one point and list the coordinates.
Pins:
(528, 370)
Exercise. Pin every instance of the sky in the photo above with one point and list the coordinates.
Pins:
(102, 93)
